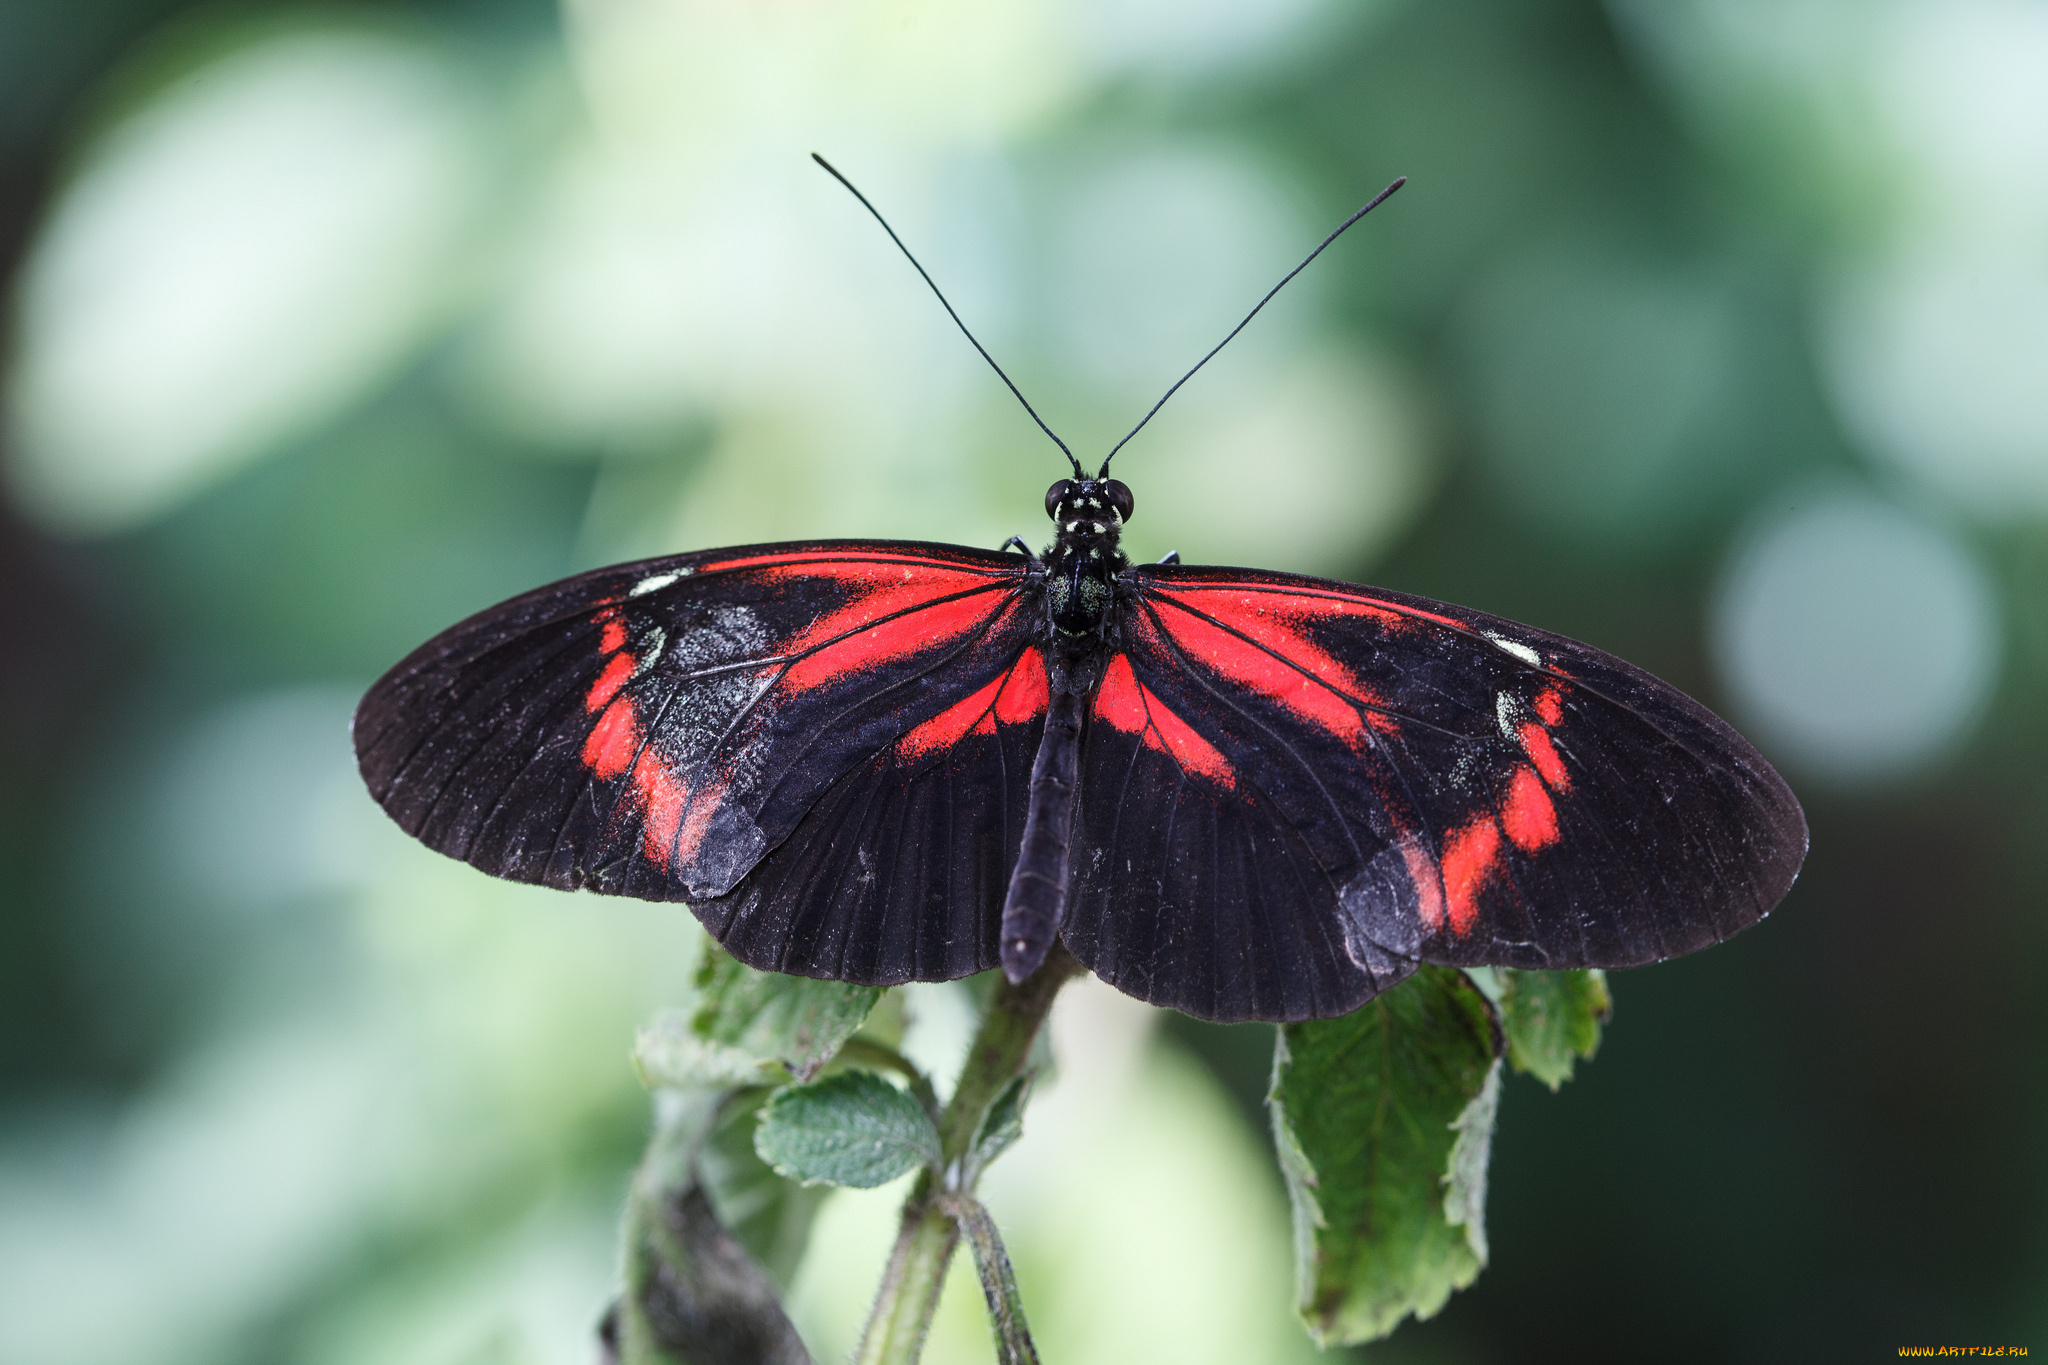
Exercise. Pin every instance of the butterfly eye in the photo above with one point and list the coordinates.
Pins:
(1119, 495)
(1053, 496)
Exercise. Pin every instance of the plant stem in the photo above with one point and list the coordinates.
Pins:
(910, 1286)
(928, 1234)
(998, 1280)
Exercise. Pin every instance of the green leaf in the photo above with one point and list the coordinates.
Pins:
(793, 1019)
(669, 1054)
(1551, 1019)
(750, 1028)
(771, 1216)
(850, 1129)
(1465, 1182)
(1383, 1120)
(1000, 1127)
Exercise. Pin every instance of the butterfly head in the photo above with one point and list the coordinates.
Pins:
(1087, 508)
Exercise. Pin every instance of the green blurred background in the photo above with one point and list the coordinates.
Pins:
(1713, 332)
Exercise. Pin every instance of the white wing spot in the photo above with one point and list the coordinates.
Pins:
(655, 582)
(1507, 710)
(1515, 647)
(656, 643)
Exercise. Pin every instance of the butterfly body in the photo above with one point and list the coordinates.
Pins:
(1085, 594)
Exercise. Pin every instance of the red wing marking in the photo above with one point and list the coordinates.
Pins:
(1300, 686)
(1417, 613)
(861, 564)
(1026, 694)
(900, 586)
(1428, 880)
(1548, 707)
(673, 816)
(612, 744)
(885, 623)
(1018, 696)
(898, 605)
(1326, 603)
(676, 817)
(856, 649)
(1271, 620)
(1527, 813)
(1471, 854)
(663, 801)
(609, 682)
(1536, 743)
(951, 725)
(1126, 704)
(1249, 609)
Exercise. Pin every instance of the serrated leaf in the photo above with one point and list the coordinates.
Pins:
(1382, 1120)
(850, 1129)
(1465, 1182)
(771, 1216)
(1552, 1018)
(669, 1053)
(1001, 1126)
(793, 1020)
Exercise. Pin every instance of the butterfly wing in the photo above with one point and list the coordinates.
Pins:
(1338, 782)
(661, 729)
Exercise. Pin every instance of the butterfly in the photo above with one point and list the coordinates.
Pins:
(1237, 793)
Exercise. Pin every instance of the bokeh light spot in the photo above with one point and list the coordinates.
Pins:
(1171, 36)
(1161, 252)
(1937, 360)
(1861, 641)
(1322, 454)
(1603, 388)
(235, 261)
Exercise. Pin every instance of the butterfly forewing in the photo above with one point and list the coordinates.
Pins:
(1448, 787)
(655, 729)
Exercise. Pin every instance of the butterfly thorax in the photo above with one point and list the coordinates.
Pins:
(1083, 562)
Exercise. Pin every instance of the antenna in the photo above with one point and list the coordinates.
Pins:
(1377, 200)
(834, 172)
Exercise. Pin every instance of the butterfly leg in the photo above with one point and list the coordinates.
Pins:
(1022, 548)
(1038, 887)
(1170, 557)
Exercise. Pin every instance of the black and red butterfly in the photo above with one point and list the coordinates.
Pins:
(1241, 794)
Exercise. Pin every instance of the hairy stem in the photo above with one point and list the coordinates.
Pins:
(998, 1281)
(928, 1234)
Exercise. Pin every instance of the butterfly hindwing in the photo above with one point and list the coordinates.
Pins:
(1424, 783)
(1192, 887)
(897, 870)
(656, 729)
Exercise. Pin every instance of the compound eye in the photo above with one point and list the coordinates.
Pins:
(1053, 496)
(1119, 496)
